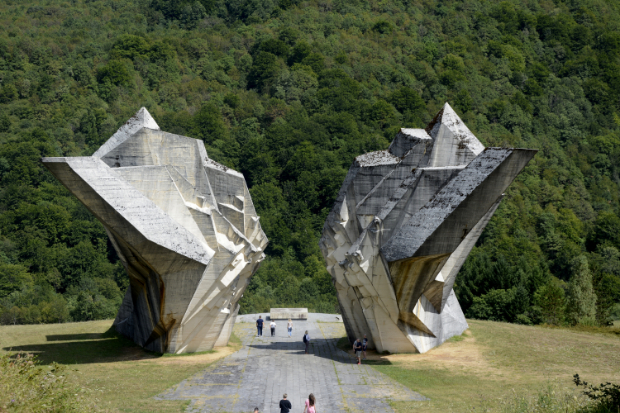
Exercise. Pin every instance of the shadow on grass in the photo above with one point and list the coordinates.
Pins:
(73, 337)
(107, 347)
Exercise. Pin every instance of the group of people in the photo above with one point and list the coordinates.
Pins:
(260, 322)
(286, 406)
(360, 347)
(289, 326)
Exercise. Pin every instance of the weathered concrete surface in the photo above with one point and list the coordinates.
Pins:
(183, 225)
(286, 313)
(264, 368)
(402, 226)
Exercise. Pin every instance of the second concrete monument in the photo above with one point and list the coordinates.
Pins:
(402, 226)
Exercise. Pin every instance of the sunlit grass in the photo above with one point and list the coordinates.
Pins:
(121, 375)
(501, 367)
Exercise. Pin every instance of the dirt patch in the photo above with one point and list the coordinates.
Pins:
(466, 354)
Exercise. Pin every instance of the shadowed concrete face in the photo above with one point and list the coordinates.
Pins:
(402, 226)
(183, 225)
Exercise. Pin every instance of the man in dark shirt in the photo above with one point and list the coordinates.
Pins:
(259, 326)
(285, 405)
(357, 347)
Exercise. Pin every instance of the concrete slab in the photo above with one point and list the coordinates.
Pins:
(288, 313)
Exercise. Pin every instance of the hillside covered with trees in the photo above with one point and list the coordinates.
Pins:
(289, 92)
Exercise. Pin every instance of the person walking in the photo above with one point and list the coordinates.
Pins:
(306, 340)
(289, 327)
(310, 404)
(357, 347)
(285, 405)
(273, 328)
(259, 326)
(364, 346)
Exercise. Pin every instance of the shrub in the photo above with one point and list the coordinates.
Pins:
(607, 395)
(27, 387)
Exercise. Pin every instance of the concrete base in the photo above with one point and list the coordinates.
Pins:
(286, 313)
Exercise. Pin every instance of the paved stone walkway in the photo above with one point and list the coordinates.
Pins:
(266, 367)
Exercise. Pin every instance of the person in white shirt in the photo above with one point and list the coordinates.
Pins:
(273, 328)
(289, 327)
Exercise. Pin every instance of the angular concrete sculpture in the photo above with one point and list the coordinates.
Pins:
(184, 227)
(402, 226)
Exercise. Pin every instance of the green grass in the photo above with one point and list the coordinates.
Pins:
(448, 390)
(613, 330)
(121, 375)
(501, 367)
(492, 367)
(234, 340)
(455, 339)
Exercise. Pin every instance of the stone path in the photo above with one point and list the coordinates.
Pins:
(266, 367)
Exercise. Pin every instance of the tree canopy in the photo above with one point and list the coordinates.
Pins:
(288, 92)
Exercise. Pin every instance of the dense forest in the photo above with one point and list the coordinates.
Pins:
(288, 92)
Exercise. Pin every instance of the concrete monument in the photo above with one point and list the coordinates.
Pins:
(183, 225)
(402, 226)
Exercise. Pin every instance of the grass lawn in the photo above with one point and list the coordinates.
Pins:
(492, 362)
(478, 371)
(121, 375)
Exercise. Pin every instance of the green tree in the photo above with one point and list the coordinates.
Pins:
(208, 123)
(264, 70)
(13, 278)
(299, 52)
(114, 72)
(552, 301)
(581, 299)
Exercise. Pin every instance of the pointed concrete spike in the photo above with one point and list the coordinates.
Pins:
(142, 119)
(454, 143)
(458, 127)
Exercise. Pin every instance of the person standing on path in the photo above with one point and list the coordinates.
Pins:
(285, 405)
(357, 347)
(289, 327)
(306, 340)
(273, 328)
(310, 404)
(364, 346)
(259, 326)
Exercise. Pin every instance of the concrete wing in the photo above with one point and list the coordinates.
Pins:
(420, 249)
